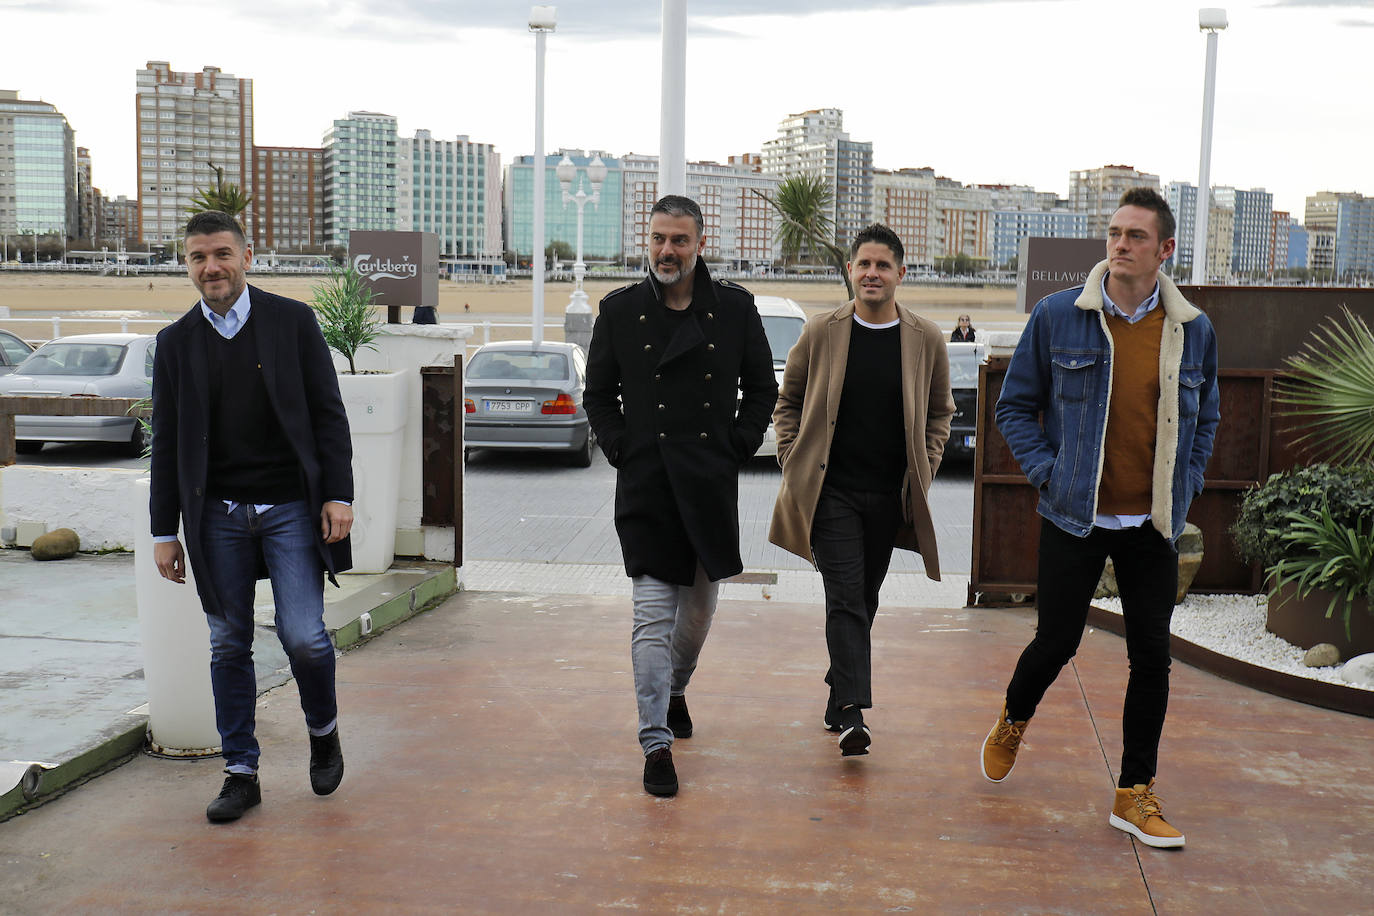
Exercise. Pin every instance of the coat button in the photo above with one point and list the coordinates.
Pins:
(661, 407)
(197, 491)
(708, 376)
(648, 346)
(711, 315)
(643, 317)
(658, 375)
(822, 465)
(704, 436)
(710, 346)
(707, 405)
(663, 435)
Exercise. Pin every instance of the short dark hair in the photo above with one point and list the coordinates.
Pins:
(883, 236)
(1150, 199)
(677, 205)
(208, 222)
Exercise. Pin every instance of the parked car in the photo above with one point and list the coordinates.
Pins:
(101, 365)
(964, 360)
(528, 397)
(783, 321)
(13, 350)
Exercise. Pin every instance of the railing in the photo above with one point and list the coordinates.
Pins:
(55, 322)
(73, 406)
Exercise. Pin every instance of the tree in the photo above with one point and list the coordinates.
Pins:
(224, 196)
(802, 203)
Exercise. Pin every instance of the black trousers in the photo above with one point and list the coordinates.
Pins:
(1147, 576)
(852, 536)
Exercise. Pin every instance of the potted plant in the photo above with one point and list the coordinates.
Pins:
(377, 406)
(1313, 528)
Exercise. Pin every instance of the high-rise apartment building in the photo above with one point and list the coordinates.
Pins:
(360, 175)
(1221, 223)
(1252, 218)
(118, 220)
(287, 212)
(1341, 234)
(966, 220)
(452, 188)
(1009, 227)
(740, 223)
(1182, 198)
(601, 222)
(187, 123)
(904, 200)
(1097, 192)
(38, 174)
(815, 143)
(1297, 245)
(1278, 240)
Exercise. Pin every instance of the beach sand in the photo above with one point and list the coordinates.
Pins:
(87, 303)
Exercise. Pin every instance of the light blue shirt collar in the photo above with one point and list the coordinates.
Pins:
(234, 319)
(1141, 311)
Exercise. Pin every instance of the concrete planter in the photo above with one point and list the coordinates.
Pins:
(176, 650)
(377, 406)
(1303, 622)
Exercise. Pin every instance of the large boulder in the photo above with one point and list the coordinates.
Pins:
(55, 545)
(1322, 655)
(1359, 670)
(1189, 561)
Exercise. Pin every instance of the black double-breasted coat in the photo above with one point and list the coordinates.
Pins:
(678, 406)
(303, 390)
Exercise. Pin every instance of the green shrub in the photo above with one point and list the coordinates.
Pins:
(1346, 492)
(349, 320)
(1325, 555)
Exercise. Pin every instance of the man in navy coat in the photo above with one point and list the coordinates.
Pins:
(252, 455)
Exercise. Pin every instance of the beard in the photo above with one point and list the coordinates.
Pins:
(670, 277)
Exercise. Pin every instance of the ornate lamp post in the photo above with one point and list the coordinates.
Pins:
(595, 172)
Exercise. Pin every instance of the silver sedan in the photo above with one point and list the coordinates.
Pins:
(528, 397)
(98, 365)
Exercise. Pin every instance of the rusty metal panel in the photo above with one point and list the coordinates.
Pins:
(1258, 326)
(54, 406)
(441, 449)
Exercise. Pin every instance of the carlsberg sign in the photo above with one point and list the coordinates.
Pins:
(401, 267)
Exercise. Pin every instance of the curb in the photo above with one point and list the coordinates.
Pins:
(385, 603)
(1350, 700)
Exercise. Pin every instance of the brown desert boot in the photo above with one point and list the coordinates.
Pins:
(1000, 747)
(1137, 811)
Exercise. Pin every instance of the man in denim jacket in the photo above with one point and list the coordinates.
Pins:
(1110, 406)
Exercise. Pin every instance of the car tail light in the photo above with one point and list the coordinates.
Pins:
(468, 406)
(561, 404)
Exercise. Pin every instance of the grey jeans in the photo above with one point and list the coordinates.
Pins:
(670, 627)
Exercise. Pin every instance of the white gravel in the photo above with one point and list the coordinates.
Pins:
(1233, 625)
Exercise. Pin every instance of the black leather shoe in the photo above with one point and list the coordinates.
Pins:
(660, 776)
(326, 762)
(679, 720)
(832, 715)
(239, 793)
(854, 736)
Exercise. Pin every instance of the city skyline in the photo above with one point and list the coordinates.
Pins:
(1011, 104)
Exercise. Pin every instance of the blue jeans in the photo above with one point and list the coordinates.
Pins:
(284, 539)
(670, 627)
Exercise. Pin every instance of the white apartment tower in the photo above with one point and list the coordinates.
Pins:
(815, 143)
(186, 123)
(452, 188)
(360, 175)
(1097, 193)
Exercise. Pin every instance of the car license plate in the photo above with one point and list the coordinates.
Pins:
(493, 406)
(970, 441)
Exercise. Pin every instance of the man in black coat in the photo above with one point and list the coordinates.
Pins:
(680, 388)
(252, 455)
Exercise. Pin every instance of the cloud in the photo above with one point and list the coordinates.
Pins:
(1358, 23)
(1330, 4)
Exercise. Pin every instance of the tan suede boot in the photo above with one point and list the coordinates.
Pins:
(1000, 747)
(1137, 811)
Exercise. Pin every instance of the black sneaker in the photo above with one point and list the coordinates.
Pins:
(854, 736)
(832, 715)
(326, 762)
(660, 777)
(679, 720)
(240, 792)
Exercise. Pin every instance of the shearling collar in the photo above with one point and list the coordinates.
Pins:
(1175, 306)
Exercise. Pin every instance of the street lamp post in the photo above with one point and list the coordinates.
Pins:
(595, 172)
(543, 20)
(1210, 20)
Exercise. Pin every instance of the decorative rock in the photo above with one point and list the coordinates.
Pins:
(1360, 670)
(56, 545)
(1322, 655)
(1189, 561)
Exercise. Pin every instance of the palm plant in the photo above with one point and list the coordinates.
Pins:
(803, 203)
(1328, 556)
(344, 304)
(224, 196)
(1330, 384)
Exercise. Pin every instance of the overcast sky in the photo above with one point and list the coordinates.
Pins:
(992, 92)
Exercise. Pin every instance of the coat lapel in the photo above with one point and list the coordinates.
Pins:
(837, 339)
(687, 337)
(266, 334)
(199, 353)
(912, 347)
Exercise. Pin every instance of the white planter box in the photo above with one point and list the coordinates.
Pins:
(377, 407)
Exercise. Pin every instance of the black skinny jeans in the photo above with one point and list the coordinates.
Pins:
(1147, 576)
(852, 536)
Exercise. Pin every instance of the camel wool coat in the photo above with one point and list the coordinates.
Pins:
(804, 419)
